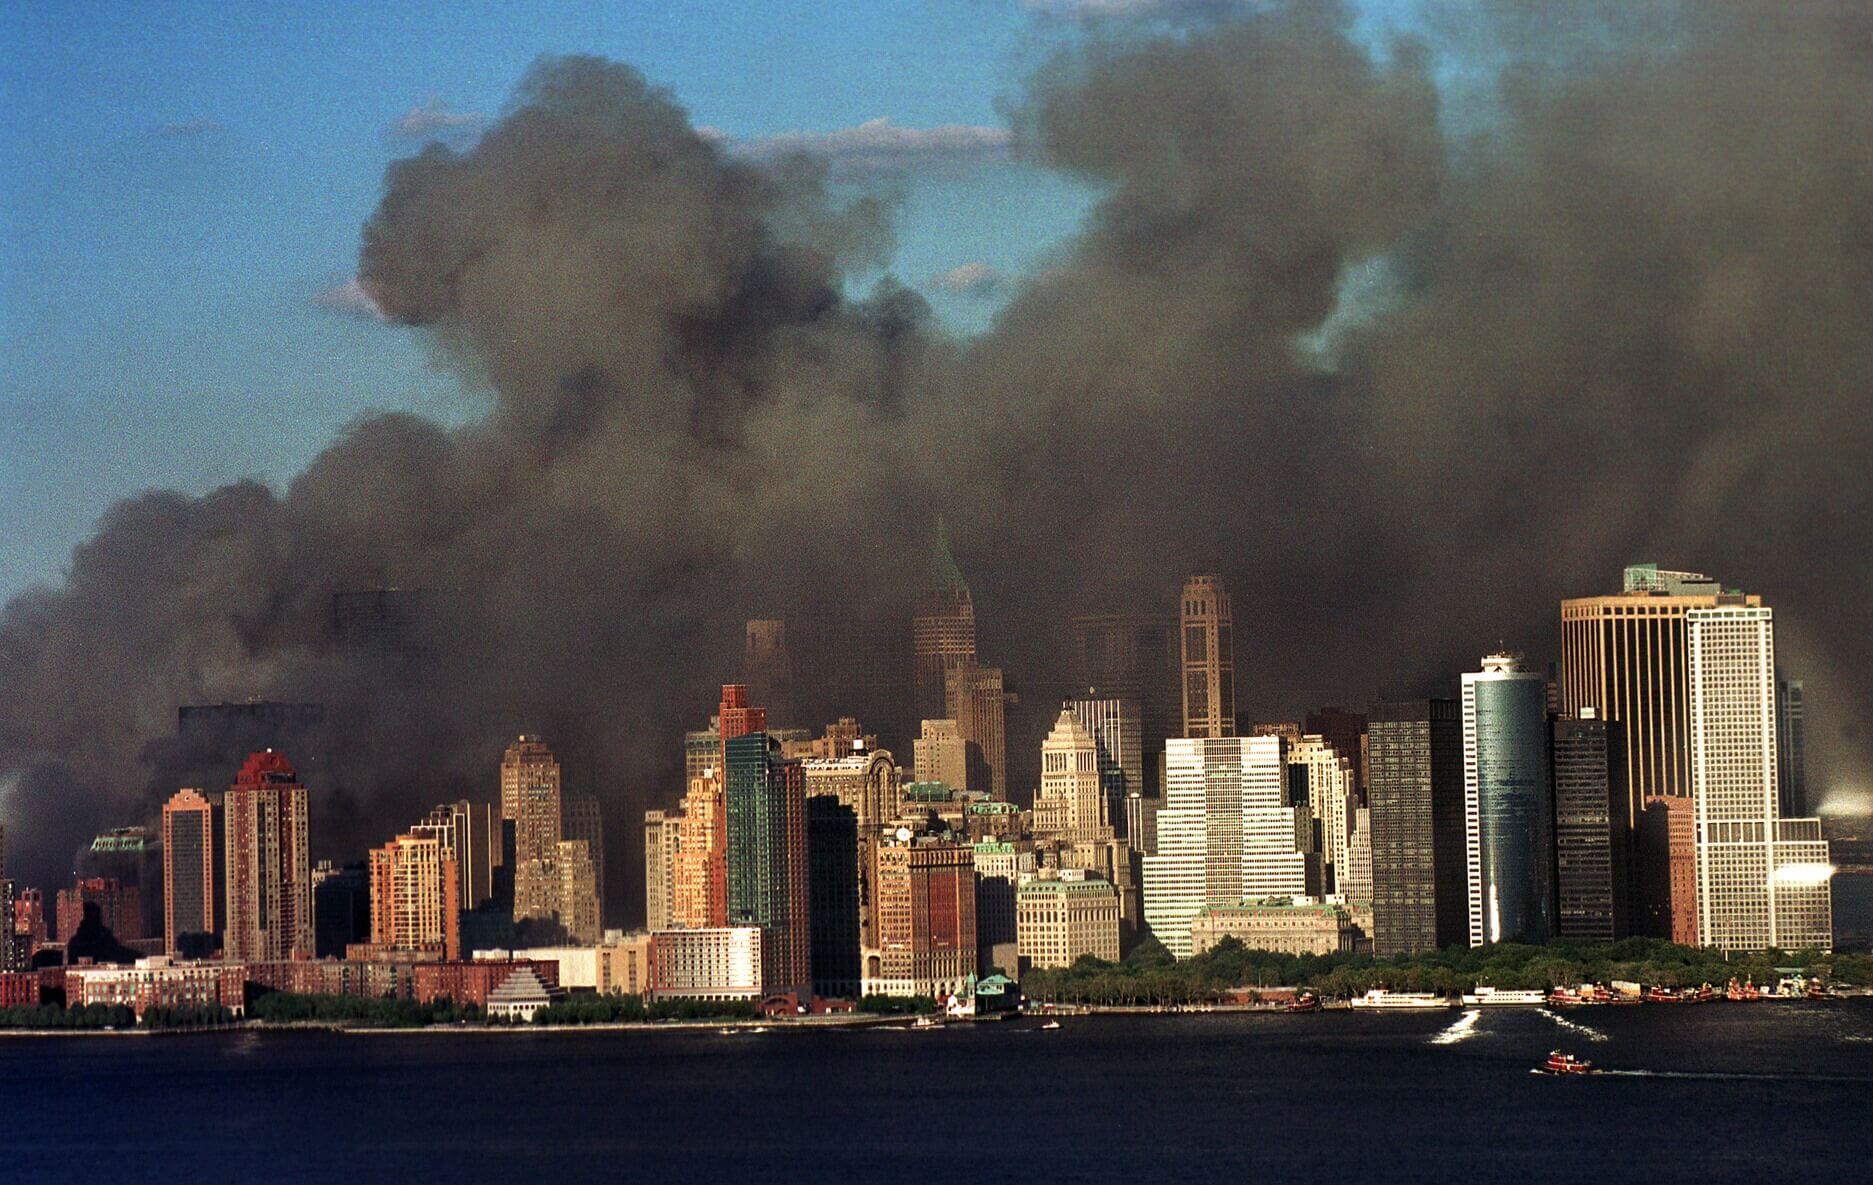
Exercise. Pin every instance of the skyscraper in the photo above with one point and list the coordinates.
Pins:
(1209, 659)
(1226, 833)
(269, 865)
(416, 897)
(699, 880)
(833, 848)
(1134, 657)
(532, 805)
(1791, 736)
(1590, 842)
(977, 701)
(576, 892)
(926, 917)
(943, 631)
(1415, 781)
(1355, 881)
(188, 872)
(768, 885)
(583, 821)
(1508, 804)
(1118, 734)
(1762, 880)
(133, 857)
(1346, 732)
(1071, 803)
(467, 831)
(1330, 797)
(1624, 655)
(663, 832)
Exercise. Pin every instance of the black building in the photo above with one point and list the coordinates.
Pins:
(341, 908)
(832, 895)
(1590, 838)
(1415, 782)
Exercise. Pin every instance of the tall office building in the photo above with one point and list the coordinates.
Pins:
(663, 832)
(1226, 833)
(1134, 657)
(768, 886)
(583, 821)
(1071, 805)
(1117, 731)
(1209, 659)
(1762, 880)
(941, 755)
(767, 663)
(1624, 656)
(1326, 785)
(576, 901)
(977, 701)
(1791, 739)
(833, 848)
(386, 622)
(1346, 732)
(865, 781)
(188, 873)
(1000, 867)
(1591, 845)
(943, 632)
(1508, 804)
(467, 830)
(926, 917)
(269, 866)
(341, 907)
(1415, 783)
(1355, 882)
(416, 897)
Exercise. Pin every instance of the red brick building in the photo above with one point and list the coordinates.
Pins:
(335, 977)
(1668, 868)
(121, 905)
(159, 983)
(470, 982)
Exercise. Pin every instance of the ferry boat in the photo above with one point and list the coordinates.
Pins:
(1388, 1001)
(1490, 997)
(1562, 1065)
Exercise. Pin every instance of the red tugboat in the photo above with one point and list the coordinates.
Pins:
(1564, 1065)
(1305, 1002)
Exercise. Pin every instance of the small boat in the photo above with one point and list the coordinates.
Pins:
(926, 1022)
(758, 1029)
(1562, 1065)
(1052, 1024)
(1742, 991)
(1818, 991)
(1382, 1000)
(1305, 1002)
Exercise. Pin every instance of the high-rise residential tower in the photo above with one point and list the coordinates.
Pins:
(977, 701)
(1415, 782)
(1209, 659)
(269, 866)
(1762, 880)
(468, 831)
(188, 872)
(531, 804)
(943, 631)
(768, 881)
(663, 832)
(1625, 656)
(582, 821)
(416, 897)
(1508, 804)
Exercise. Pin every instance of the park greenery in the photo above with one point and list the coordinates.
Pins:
(385, 1012)
(878, 1005)
(54, 1016)
(1150, 976)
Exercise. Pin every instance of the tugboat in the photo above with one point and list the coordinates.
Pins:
(1563, 1065)
(926, 1022)
(1305, 1002)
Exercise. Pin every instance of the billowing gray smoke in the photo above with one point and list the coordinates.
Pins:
(1620, 313)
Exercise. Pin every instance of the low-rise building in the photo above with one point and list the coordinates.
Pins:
(1064, 914)
(337, 977)
(159, 982)
(519, 996)
(1280, 924)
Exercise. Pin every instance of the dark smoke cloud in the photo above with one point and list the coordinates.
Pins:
(1625, 317)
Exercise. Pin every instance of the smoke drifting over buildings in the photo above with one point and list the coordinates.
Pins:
(1622, 314)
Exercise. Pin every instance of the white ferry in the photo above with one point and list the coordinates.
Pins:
(1489, 997)
(1383, 1000)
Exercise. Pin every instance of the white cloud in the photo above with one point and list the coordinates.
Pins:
(970, 279)
(881, 142)
(352, 300)
(433, 120)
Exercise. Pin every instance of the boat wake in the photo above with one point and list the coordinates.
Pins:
(1574, 1026)
(1461, 1029)
(1720, 1076)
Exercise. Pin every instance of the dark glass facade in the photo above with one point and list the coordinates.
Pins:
(832, 906)
(1512, 866)
(1590, 839)
(1415, 781)
(765, 799)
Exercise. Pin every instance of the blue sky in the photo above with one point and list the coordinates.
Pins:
(182, 187)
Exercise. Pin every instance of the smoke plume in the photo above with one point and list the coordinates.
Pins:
(1617, 311)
